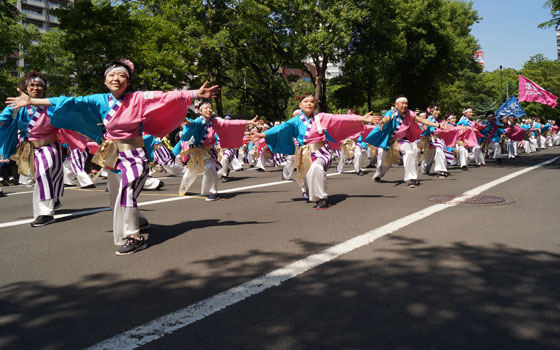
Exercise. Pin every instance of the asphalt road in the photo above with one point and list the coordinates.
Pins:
(459, 277)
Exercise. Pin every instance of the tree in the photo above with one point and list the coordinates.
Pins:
(13, 37)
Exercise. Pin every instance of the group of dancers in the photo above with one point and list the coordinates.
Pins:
(128, 130)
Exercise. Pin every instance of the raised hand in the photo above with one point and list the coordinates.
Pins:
(370, 118)
(208, 92)
(21, 101)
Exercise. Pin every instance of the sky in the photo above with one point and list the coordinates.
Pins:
(509, 34)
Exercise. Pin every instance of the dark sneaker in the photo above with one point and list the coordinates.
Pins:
(464, 168)
(360, 173)
(160, 185)
(43, 220)
(2, 193)
(143, 223)
(261, 170)
(224, 179)
(57, 204)
(323, 204)
(414, 183)
(132, 245)
(212, 197)
(87, 186)
(377, 179)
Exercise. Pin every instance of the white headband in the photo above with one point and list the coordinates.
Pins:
(401, 99)
(39, 79)
(118, 68)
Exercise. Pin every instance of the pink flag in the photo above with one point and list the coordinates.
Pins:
(531, 92)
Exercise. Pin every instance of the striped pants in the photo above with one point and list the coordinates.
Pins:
(124, 189)
(49, 184)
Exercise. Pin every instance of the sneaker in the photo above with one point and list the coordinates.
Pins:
(323, 204)
(377, 179)
(414, 183)
(87, 186)
(2, 193)
(57, 204)
(260, 170)
(132, 245)
(360, 173)
(224, 179)
(464, 168)
(212, 197)
(43, 220)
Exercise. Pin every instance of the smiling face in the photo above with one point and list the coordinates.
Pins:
(206, 111)
(116, 81)
(307, 105)
(35, 89)
(401, 105)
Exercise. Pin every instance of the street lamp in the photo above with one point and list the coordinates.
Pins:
(501, 86)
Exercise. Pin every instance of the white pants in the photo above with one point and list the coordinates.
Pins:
(261, 161)
(531, 145)
(235, 164)
(410, 161)
(125, 219)
(40, 207)
(494, 150)
(151, 183)
(357, 161)
(315, 181)
(512, 149)
(70, 177)
(478, 155)
(462, 155)
(289, 167)
(542, 142)
(434, 155)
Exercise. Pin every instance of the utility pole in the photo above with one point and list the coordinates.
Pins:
(501, 86)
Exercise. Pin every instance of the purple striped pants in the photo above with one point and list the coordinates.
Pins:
(162, 156)
(78, 160)
(133, 165)
(49, 173)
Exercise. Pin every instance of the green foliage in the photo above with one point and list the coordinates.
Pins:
(421, 48)
(13, 37)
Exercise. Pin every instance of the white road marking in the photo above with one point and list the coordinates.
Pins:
(142, 204)
(169, 323)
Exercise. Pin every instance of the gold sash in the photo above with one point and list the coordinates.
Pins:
(303, 160)
(393, 154)
(108, 152)
(25, 155)
(199, 155)
(348, 148)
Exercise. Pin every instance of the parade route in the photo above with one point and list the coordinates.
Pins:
(434, 269)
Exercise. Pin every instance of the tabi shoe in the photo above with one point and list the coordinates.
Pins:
(132, 245)
(260, 170)
(360, 173)
(323, 204)
(377, 179)
(464, 168)
(87, 186)
(43, 220)
(57, 204)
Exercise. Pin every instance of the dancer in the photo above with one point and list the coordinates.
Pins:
(120, 116)
(397, 132)
(203, 154)
(312, 157)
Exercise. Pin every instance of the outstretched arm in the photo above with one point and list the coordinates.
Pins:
(24, 100)
(208, 92)
(424, 121)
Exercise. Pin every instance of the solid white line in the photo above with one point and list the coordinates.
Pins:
(169, 323)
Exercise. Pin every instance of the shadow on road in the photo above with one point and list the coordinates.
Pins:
(413, 296)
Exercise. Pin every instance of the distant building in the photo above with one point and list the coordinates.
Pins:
(558, 43)
(38, 13)
(333, 71)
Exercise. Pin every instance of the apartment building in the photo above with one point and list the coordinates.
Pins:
(38, 13)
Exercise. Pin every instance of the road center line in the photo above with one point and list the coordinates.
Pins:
(169, 323)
